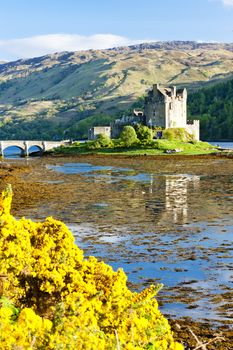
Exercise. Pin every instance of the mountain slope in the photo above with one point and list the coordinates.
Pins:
(63, 94)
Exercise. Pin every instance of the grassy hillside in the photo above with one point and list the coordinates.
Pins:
(214, 107)
(63, 94)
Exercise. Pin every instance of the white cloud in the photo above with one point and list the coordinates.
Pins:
(224, 2)
(228, 2)
(45, 44)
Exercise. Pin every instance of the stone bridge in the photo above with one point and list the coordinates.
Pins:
(26, 145)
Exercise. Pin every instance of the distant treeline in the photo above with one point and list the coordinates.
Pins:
(214, 107)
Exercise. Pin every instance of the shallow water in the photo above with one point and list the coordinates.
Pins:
(164, 222)
(228, 145)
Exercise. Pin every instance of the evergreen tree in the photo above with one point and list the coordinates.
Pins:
(214, 107)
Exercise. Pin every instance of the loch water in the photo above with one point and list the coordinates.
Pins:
(162, 221)
(224, 145)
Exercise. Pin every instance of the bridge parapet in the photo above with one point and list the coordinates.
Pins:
(26, 145)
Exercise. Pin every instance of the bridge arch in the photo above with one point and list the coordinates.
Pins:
(13, 150)
(35, 148)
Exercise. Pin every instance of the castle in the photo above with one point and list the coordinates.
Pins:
(164, 107)
(167, 107)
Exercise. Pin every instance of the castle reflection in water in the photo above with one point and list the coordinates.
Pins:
(172, 202)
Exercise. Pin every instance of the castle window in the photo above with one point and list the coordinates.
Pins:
(170, 105)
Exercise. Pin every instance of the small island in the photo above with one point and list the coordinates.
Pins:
(160, 128)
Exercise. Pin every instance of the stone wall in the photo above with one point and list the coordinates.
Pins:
(154, 109)
(193, 128)
(97, 130)
(167, 107)
(118, 125)
(176, 110)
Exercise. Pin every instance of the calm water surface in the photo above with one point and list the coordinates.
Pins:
(174, 229)
(14, 152)
(223, 144)
(163, 222)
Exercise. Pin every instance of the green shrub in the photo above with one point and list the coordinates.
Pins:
(177, 134)
(76, 144)
(128, 137)
(93, 145)
(144, 133)
(104, 140)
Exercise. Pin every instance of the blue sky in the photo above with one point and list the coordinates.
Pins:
(33, 28)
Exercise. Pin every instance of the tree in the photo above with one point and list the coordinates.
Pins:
(144, 133)
(104, 140)
(213, 106)
(128, 137)
(101, 141)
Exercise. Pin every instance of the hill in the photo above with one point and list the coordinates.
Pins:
(61, 95)
(214, 107)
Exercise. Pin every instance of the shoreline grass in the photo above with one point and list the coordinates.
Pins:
(159, 147)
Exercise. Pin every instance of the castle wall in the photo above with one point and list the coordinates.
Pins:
(156, 116)
(155, 109)
(97, 130)
(176, 112)
(167, 107)
(116, 129)
(118, 125)
(193, 128)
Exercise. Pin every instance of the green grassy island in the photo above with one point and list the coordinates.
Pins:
(140, 141)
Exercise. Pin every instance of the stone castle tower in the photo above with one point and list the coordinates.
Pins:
(167, 107)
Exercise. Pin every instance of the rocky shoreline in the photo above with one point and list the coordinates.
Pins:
(200, 335)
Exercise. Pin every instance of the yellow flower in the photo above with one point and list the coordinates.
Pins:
(65, 301)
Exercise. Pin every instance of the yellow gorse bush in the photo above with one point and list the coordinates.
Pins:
(53, 298)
